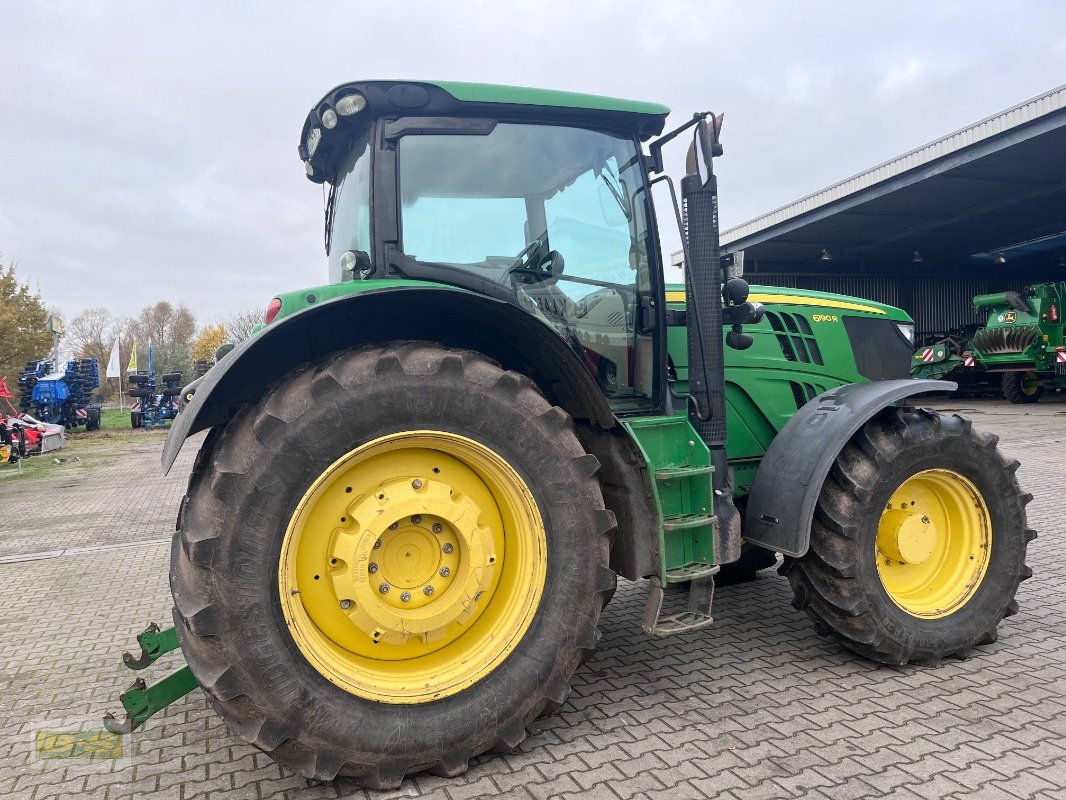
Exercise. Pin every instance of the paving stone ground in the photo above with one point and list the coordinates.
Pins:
(759, 706)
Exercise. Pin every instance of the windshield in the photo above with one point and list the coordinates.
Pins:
(557, 215)
(350, 207)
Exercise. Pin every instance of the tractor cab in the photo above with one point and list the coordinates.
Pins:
(536, 198)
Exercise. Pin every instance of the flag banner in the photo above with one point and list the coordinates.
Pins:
(132, 366)
(114, 369)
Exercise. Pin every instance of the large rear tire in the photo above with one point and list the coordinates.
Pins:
(348, 477)
(918, 542)
(1022, 387)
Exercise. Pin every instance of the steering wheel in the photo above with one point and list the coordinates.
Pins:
(546, 272)
(538, 265)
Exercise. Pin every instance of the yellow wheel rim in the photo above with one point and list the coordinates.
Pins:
(412, 566)
(1029, 383)
(934, 540)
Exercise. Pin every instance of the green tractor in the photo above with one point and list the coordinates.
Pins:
(421, 481)
(1023, 339)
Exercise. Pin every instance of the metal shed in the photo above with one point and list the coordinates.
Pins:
(979, 210)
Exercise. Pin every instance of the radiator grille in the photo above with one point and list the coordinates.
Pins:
(795, 337)
(803, 393)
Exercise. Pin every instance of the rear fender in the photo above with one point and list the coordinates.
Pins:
(502, 331)
(780, 508)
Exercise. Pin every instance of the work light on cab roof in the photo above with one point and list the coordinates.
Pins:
(329, 114)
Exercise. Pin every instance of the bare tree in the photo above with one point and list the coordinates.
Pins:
(239, 324)
(170, 331)
(91, 334)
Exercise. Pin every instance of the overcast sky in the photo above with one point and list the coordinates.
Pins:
(148, 151)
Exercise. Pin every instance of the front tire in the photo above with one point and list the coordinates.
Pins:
(1022, 387)
(281, 617)
(918, 543)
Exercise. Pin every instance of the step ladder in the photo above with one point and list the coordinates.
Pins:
(680, 472)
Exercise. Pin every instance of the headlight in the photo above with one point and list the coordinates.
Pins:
(314, 136)
(350, 104)
(329, 119)
(907, 329)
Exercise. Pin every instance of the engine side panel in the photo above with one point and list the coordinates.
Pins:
(808, 343)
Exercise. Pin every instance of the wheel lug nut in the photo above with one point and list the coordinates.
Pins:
(346, 604)
(477, 596)
(417, 519)
(437, 527)
(416, 483)
(447, 547)
(384, 588)
(392, 527)
(428, 591)
(445, 572)
(406, 596)
(372, 568)
(377, 544)
(925, 520)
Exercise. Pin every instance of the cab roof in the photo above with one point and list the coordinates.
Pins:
(418, 98)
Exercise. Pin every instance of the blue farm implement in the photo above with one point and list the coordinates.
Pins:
(155, 402)
(61, 396)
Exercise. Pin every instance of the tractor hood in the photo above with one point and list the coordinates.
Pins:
(675, 293)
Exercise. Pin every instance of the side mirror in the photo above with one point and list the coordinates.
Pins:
(735, 291)
(738, 340)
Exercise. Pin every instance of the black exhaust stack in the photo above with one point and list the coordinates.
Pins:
(703, 292)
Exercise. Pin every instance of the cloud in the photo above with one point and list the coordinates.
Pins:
(152, 154)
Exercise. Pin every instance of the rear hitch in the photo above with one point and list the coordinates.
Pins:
(154, 643)
(141, 701)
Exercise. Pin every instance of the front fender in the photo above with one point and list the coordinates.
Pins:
(781, 504)
(453, 317)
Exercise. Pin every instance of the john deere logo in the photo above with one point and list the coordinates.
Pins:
(1010, 316)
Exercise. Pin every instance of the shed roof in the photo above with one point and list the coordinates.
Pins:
(996, 183)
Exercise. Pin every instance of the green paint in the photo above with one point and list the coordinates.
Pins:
(294, 302)
(763, 388)
(521, 95)
(141, 701)
(679, 472)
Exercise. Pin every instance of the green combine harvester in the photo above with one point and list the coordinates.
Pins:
(1023, 339)
(420, 481)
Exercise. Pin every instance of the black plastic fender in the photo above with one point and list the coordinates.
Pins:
(781, 504)
(501, 330)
